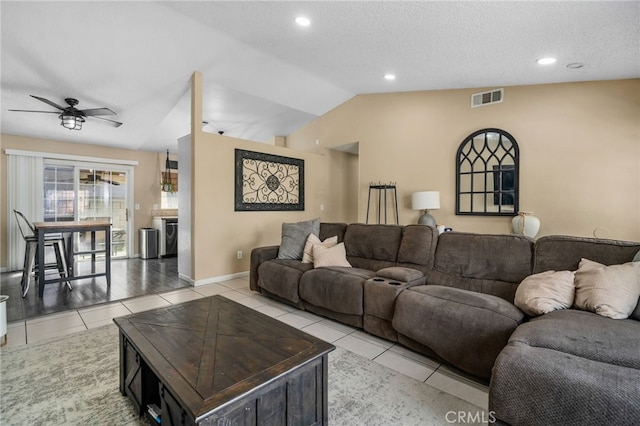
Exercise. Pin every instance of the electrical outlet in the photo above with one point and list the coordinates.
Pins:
(137, 206)
(155, 207)
(239, 254)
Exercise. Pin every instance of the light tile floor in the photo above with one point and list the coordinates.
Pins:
(386, 353)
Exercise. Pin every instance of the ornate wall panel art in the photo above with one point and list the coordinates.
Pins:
(266, 182)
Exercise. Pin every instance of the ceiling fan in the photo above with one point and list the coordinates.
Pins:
(72, 118)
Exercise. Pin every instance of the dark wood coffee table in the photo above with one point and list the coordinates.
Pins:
(213, 361)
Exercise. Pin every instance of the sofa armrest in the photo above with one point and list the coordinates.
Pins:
(259, 255)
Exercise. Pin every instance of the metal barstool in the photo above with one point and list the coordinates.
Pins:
(31, 240)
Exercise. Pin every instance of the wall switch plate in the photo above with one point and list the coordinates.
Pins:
(155, 207)
(137, 206)
(239, 254)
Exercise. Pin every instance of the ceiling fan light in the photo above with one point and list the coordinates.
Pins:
(71, 122)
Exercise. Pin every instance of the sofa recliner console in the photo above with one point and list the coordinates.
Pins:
(451, 297)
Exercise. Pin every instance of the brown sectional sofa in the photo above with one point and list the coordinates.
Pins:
(465, 314)
(451, 297)
(571, 367)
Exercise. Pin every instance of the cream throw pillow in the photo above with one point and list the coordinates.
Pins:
(545, 292)
(307, 255)
(610, 291)
(330, 256)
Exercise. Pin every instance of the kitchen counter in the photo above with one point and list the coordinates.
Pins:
(165, 213)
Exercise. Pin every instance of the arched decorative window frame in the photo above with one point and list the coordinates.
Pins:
(513, 167)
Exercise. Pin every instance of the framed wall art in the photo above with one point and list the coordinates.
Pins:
(266, 182)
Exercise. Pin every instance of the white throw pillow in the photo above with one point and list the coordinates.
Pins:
(545, 292)
(611, 291)
(307, 255)
(330, 256)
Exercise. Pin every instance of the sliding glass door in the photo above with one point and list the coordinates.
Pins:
(59, 193)
(85, 191)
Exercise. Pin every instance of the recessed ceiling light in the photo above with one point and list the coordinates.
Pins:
(546, 61)
(303, 21)
(390, 77)
(575, 65)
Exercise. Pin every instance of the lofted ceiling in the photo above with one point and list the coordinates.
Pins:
(264, 76)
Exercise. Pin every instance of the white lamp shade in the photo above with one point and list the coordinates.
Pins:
(425, 200)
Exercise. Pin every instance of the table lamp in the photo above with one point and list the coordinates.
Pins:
(426, 200)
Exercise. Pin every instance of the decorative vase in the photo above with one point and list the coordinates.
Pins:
(526, 224)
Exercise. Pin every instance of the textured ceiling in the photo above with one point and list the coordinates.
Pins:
(264, 76)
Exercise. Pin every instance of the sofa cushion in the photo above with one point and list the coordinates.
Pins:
(535, 385)
(325, 256)
(294, 237)
(372, 247)
(465, 328)
(563, 252)
(336, 289)
(545, 292)
(502, 289)
(491, 257)
(313, 240)
(611, 291)
(404, 275)
(330, 229)
(586, 335)
(490, 264)
(418, 246)
(281, 277)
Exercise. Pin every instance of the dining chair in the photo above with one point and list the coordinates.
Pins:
(56, 241)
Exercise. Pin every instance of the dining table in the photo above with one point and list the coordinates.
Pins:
(69, 228)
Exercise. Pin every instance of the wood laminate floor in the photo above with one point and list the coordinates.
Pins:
(129, 278)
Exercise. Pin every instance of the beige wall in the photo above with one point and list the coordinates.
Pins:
(146, 177)
(579, 151)
(219, 231)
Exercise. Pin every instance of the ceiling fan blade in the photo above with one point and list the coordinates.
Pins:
(30, 110)
(97, 111)
(47, 101)
(110, 122)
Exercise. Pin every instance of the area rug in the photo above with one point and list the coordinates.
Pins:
(73, 380)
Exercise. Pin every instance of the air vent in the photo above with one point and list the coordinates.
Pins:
(486, 98)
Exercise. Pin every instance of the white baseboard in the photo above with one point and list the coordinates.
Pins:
(213, 280)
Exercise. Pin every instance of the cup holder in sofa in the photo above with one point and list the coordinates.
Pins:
(386, 281)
